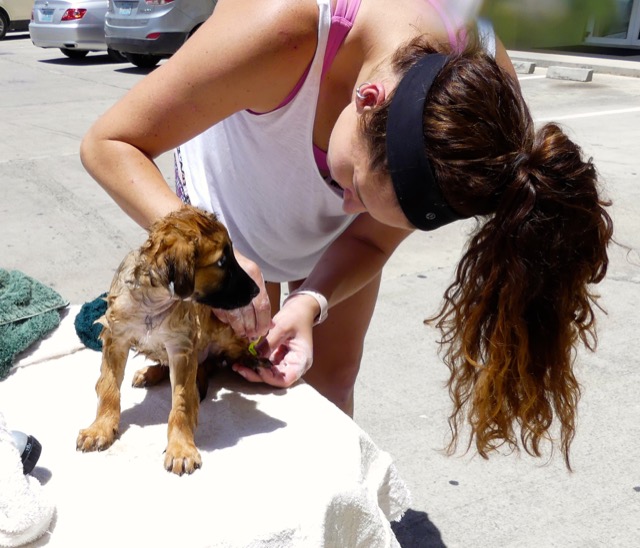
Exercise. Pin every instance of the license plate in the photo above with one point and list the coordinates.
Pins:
(46, 16)
(124, 11)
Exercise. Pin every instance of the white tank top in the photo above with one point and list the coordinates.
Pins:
(258, 173)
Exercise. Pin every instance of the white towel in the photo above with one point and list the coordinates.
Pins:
(25, 510)
(280, 468)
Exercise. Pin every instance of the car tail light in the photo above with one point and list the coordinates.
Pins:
(157, 2)
(153, 36)
(73, 14)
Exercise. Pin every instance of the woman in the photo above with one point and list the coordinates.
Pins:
(418, 131)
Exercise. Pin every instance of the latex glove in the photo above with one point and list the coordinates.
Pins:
(289, 345)
(254, 320)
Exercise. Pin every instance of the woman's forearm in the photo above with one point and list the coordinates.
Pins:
(131, 178)
(354, 259)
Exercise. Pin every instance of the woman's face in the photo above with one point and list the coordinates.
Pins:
(349, 163)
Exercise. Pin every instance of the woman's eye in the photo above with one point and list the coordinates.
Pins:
(221, 262)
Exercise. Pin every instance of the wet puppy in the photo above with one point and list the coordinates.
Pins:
(159, 304)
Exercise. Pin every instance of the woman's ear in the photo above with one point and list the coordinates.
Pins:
(369, 95)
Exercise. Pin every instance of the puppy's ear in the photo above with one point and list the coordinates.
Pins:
(180, 267)
(169, 261)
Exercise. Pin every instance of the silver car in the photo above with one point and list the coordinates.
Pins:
(146, 31)
(76, 27)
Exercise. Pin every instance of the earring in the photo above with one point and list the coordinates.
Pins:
(359, 94)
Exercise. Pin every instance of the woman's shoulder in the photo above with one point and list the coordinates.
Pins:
(269, 31)
(290, 17)
(256, 51)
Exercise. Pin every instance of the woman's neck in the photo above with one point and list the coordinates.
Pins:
(367, 52)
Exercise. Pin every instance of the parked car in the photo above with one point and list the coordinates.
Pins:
(76, 27)
(146, 31)
(14, 15)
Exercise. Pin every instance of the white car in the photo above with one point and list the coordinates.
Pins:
(14, 15)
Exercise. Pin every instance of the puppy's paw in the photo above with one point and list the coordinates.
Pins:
(181, 458)
(150, 376)
(264, 362)
(255, 362)
(96, 438)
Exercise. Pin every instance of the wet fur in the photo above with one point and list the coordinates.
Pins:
(155, 306)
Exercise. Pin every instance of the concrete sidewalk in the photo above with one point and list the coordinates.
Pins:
(62, 229)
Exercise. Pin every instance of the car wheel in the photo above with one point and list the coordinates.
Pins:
(116, 56)
(143, 60)
(4, 24)
(74, 53)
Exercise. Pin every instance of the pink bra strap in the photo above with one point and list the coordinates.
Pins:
(341, 23)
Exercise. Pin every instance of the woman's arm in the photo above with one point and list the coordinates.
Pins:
(348, 265)
(354, 259)
(503, 59)
(248, 55)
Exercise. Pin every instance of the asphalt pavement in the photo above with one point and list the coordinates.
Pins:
(62, 229)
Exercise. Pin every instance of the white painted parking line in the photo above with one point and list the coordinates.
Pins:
(531, 77)
(588, 114)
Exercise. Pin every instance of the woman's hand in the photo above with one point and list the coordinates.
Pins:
(289, 344)
(254, 320)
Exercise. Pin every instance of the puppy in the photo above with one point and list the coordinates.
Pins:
(159, 304)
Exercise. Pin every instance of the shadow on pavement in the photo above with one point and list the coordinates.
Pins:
(99, 58)
(415, 530)
(16, 35)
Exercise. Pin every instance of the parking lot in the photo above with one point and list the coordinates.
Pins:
(62, 229)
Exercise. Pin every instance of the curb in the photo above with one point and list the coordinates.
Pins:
(602, 65)
(577, 74)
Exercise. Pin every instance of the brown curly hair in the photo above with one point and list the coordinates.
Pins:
(520, 301)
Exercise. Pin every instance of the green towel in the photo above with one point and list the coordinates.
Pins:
(28, 311)
(87, 329)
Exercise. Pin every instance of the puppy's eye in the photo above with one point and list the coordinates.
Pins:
(221, 262)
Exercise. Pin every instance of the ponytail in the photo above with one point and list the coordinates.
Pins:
(521, 300)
